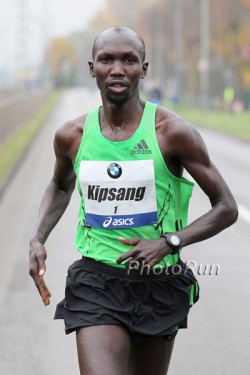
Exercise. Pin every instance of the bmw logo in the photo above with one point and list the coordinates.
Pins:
(114, 170)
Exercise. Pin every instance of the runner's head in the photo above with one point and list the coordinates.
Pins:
(118, 64)
(133, 36)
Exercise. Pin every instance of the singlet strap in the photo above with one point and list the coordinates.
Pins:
(148, 117)
(92, 119)
(147, 120)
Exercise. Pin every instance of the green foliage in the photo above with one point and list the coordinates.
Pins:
(236, 124)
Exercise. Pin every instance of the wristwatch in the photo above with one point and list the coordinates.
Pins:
(173, 241)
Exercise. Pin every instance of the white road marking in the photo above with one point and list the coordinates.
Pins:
(244, 213)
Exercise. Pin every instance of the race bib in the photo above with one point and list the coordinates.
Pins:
(118, 194)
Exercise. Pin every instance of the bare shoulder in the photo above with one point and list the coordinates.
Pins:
(68, 136)
(177, 135)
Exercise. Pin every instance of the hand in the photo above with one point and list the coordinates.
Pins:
(38, 255)
(149, 252)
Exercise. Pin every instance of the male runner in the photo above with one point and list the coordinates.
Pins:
(123, 298)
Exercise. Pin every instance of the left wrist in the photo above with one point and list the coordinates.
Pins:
(173, 241)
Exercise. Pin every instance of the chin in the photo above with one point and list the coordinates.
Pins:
(117, 99)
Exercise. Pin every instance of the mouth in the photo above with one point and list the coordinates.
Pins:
(116, 83)
(117, 86)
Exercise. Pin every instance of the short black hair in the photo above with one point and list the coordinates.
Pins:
(119, 29)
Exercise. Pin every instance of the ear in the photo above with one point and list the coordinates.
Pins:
(144, 70)
(91, 68)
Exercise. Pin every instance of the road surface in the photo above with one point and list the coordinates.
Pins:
(218, 339)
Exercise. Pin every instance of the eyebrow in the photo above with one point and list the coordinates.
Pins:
(125, 53)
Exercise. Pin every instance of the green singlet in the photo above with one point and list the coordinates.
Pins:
(126, 191)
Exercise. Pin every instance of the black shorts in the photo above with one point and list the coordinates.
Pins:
(146, 304)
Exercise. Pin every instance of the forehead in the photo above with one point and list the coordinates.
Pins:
(112, 41)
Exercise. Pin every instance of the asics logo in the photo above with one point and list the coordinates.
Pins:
(117, 222)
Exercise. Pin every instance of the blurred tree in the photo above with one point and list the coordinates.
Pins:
(229, 40)
(171, 29)
(245, 3)
(62, 58)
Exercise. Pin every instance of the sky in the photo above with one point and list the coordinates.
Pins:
(26, 25)
(70, 15)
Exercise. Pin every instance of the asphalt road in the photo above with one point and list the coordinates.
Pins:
(218, 339)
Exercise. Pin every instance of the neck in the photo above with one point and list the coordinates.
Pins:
(119, 121)
(118, 115)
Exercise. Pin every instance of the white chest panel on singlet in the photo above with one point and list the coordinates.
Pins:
(118, 194)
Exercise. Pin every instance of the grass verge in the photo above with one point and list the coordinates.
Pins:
(236, 124)
(12, 149)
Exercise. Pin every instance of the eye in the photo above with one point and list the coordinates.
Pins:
(130, 60)
(105, 60)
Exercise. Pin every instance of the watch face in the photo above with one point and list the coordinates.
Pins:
(175, 240)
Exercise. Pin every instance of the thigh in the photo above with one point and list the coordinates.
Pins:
(103, 349)
(152, 356)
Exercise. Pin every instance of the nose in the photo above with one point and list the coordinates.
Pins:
(117, 68)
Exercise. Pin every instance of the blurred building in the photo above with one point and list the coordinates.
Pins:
(22, 38)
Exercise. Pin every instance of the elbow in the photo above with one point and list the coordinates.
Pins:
(235, 214)
(231, 213)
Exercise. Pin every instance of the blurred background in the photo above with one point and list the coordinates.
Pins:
(199, 66)
(196, 49)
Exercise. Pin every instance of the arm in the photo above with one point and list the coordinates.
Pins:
(194, 157)
(53, 205)
(186, 145)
